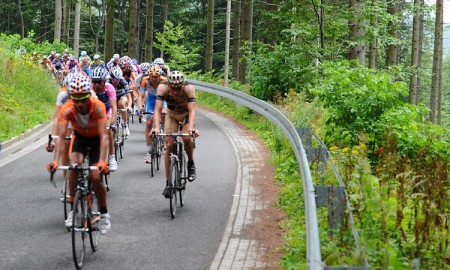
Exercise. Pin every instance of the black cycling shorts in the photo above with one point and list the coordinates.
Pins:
(87, 146)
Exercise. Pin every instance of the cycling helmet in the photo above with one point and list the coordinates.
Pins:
(66, 50)
(116, 56)
(159, 61)
(175, 78)
(154, 71)
(83, 53)
(123, 62)
(96, 57)
(116, 73)
(79, 85)
(58, 55)
(145, 66)
(99, 73)
(134, 62)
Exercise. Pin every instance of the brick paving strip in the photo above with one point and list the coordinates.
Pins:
(252, 238)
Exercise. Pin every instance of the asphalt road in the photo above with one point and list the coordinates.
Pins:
(143, 235)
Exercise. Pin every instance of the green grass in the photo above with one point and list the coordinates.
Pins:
(27, 95)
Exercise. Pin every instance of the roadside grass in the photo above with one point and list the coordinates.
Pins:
(27, 95)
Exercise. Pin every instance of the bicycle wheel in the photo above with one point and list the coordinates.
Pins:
(93, 220)
(174, 176)
(79, 229)
(182, 179)
(105, 180)
(65, 198)
(153, 156)
(158, 153)
(122, 142)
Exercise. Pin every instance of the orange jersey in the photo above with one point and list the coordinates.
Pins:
(85, 125)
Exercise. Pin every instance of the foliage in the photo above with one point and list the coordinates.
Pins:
(170, 41)
(355, 98)
(27, 95)
(14, 42)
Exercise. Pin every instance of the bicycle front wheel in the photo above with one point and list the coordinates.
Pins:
(182, 179)
(174, 176)
(93, 220)
(79, 229)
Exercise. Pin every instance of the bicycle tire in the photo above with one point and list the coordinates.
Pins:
(174, 175)
(105, 180)
(153, 156)
(65, 199)
(158, 152)
(93, 220)
(182, 179)
(79, 229)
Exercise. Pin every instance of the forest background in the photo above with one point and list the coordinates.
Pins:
(371, 78)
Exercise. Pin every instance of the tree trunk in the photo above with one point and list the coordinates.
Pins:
(236, 37)
(66, 16)
(246, 36)
(22, 24)
(227, 44)
(209, 36)
(131, 28)
(392, 48)
(165, 16)
(149, 31)
(416, 46)
(357, 32)
(76, 31)
(58, 20)
(373, 47)
(437, 55)
(109, 30)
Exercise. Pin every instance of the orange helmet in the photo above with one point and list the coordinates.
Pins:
(154, 71)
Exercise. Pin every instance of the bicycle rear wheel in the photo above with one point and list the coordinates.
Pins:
(174, 176)
(79, 230)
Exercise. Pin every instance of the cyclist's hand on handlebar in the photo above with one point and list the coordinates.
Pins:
(194, 132)
(51, 166)
(50, 147)
(113, 127)
(154, 131)
(102, 167)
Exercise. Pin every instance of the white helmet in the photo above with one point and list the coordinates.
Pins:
(116, 72)
(159, 61)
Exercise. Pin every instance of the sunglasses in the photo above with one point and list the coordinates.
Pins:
(79, 98)
(97, 82)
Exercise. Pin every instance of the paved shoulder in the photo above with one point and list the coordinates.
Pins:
(252, 238)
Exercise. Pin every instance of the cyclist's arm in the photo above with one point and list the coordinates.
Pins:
(157, 114)
(191, 105)
(104, 140)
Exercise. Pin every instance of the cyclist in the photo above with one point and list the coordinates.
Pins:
(160, 62)
(71, 63)
(61, 99)
(88, 117)
(180, 98)
(113, 62)
(107, 94)
(85, 63)
(97, 63)
(148, 88)
(123, 94)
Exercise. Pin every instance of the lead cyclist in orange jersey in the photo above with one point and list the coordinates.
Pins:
(88, 117)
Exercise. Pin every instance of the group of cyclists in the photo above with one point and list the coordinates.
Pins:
(92, 93)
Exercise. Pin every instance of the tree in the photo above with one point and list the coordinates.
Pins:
(236, 37)
(109, 29)
(246, 36)
(393, 48)
(58, 20)
(227, 44)
(76, 31)
(416, 51)
(97, 21)
(22, 23)
(132, 26)
(437, 62)
(209, 36)
(357, 31)
(66, 18)
(149, 31)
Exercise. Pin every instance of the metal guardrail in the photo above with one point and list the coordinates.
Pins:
(313, 255)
